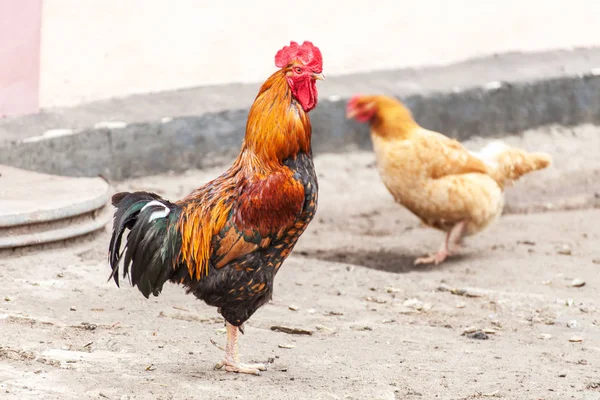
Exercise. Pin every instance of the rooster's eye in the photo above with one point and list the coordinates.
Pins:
(298, 70)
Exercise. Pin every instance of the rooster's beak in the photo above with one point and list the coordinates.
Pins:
(319, 77)
(351, 114)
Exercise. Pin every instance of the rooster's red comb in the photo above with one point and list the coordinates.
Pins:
(307, 53)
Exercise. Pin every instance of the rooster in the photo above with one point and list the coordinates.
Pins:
(226, 240)
(435, 177)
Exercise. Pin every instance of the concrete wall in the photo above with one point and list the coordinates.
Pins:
(19, 56)
(212, 139)
(97, 49)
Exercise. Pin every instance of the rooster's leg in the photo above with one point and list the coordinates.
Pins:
(444, 251)
(232, 358)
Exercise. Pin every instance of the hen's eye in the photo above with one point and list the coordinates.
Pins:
(298, 70)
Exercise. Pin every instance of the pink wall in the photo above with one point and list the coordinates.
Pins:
(20, 22)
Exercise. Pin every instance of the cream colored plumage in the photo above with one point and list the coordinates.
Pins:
(435, 177)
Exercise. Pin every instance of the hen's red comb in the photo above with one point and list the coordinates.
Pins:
(307, 53)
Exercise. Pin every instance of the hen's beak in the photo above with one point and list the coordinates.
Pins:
(319, 77)
(351, 114)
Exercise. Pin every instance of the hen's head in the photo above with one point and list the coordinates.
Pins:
(361, 108)
(303, 66)
(377, 108)
(386, 115)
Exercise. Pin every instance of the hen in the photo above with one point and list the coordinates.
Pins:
(226, 240)
(435, 177)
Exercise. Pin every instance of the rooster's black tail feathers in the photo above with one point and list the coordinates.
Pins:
(153, 243)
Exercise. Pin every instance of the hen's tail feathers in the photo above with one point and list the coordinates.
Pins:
(153, 243)
(507, 164)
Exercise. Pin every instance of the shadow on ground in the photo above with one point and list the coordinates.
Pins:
(396, 261)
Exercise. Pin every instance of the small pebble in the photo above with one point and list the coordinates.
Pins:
(479, 335)
(363, 328)
(578, 283)
(417, 305)
(584, 309)
(311, 311)
(562, 374)
(569, 302)
(526, 242)
(325, 329)
(572, 324)
(489, 331)
(392, 289)
(286, 346)
(470, 329)
(575, 339)
(375, 300)
(6, 298)
(565, 251)
(221, 331)
(596, 260)
(73, 308)
(293, 308)
(461, 305)
(546, 282)
(545, 336)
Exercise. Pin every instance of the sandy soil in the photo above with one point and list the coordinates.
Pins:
(381, 328)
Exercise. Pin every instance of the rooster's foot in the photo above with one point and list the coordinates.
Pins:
(231, 362)
(231, 366)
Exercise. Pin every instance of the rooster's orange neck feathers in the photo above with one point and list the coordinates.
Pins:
(277, 127)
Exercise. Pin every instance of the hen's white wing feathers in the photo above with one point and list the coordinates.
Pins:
(489, 153)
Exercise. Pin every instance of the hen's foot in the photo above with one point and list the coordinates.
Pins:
(454, 236)
(434, 258)
(232, 366)
(458, 247)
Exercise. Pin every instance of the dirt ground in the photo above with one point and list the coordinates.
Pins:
(380, 328)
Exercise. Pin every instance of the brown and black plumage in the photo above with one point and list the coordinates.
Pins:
(226, 240)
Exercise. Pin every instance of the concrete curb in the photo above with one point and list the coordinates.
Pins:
(67, 211)
(80, 225)
(119, 150)
(40, 208)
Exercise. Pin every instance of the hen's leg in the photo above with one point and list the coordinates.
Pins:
(457, 234)
(232, 357)
(444, 251)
